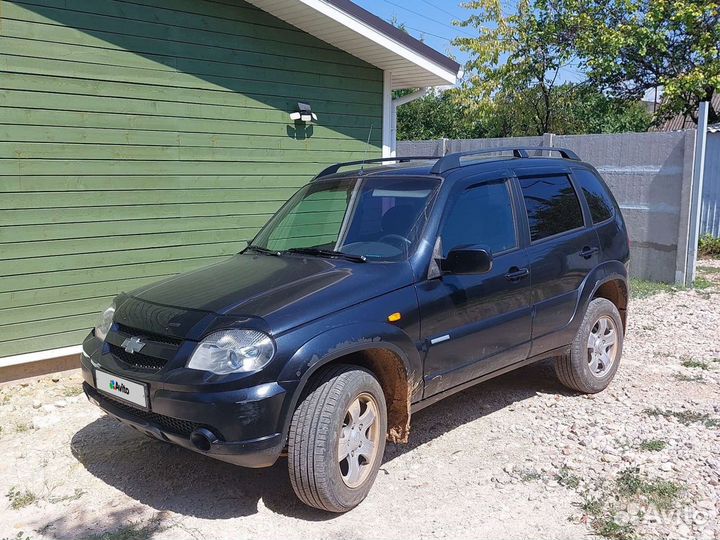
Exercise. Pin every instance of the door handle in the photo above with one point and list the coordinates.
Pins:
(515, 273)
(588, 252)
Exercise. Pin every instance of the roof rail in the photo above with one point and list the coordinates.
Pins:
(452, 161)
(332, 169)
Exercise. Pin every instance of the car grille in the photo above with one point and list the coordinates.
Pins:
(137, 360)
(143, 361)
(165, 423)
(169, 340)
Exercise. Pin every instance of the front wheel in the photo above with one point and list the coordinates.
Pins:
(337, 438)
(595, 352)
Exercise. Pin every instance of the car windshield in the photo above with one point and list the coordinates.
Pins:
(374, 218)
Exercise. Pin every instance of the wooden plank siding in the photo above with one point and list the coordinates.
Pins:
(143, 138)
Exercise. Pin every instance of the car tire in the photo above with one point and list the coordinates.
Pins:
(334, 418)
(596, 350)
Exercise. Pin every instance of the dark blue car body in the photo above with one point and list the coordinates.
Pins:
(454, 330)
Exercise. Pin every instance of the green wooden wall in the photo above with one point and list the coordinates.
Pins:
(141, 139)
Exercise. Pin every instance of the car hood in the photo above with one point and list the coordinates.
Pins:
(284, 291)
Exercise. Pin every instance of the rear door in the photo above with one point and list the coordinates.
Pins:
(475, 324)
(563, 250)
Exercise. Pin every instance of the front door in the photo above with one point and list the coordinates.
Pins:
(475, 324)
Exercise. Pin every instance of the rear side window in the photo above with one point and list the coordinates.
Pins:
(481, 215)
(596, 195)
(552, 205)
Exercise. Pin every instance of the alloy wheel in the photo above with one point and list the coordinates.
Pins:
(358, 442)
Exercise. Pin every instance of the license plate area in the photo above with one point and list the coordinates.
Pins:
(122, 389)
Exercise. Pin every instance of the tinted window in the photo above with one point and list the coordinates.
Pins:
(596, 195)
(552, 205)
(481, 215)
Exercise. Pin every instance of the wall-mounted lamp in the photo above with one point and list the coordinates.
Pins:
(303, 113)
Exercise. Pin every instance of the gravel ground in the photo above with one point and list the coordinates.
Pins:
(516, 457)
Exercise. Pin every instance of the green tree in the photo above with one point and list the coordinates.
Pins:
(631, 46)
(513, 81)
(436, 116)
(580, 109)
(518, 57)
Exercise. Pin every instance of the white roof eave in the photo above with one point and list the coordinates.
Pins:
(346, 32)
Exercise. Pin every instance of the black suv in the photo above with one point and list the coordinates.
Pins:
(369, 295)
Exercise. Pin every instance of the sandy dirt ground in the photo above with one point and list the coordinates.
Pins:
(517, 457)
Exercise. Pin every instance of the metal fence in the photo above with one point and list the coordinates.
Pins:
(651, 176)
(710, 210)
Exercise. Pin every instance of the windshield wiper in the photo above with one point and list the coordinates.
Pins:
(328, 253)
(263, 250)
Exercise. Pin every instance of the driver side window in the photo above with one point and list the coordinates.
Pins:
(482, 215)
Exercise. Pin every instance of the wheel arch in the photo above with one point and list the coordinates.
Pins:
(614, 289)
(392, 358)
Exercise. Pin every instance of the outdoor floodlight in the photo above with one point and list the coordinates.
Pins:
(303, 113)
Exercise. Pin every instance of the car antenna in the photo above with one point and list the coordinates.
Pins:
(367, 147)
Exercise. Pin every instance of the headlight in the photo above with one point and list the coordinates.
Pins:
(233, 351)
(104, 323)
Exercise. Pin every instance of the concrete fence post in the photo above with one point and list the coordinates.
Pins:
(696, 193)
(444, 146)
(548, 142)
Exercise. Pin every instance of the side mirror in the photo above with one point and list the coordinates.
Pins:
(467, 260)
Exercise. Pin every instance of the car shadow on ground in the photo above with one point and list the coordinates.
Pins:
(168, 478)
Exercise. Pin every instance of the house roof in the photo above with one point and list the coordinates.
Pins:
(680, 122)
(351, 28)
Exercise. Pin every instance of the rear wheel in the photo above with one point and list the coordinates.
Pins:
(595, 352)
(337, 438)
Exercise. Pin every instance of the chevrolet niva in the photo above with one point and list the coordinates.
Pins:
(368, 296)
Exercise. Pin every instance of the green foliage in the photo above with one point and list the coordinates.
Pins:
(579, 109)
(19, 536)
(133, 530)
(609, 528)
(621, 48)
(603, 503)
(685, 417)
(437, 116)
(702, 283)
(517, 56)
(529, 475)
(603, 518)
(660, 493)
(513, 84)
(631, 46)
(641, 288)
(582, 108)
(695, 377)
(20, 499)
(567, 479)
(653, 445)
(72, 391)
(74, 497)
(22, 427)
(690, 362)
(709, 245)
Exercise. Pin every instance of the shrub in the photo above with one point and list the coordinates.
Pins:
(709, 246)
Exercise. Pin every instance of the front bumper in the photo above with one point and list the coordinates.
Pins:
(248, 422)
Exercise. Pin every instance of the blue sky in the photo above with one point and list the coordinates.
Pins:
(430, 20)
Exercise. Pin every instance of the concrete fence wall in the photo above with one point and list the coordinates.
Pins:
(650, 175)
